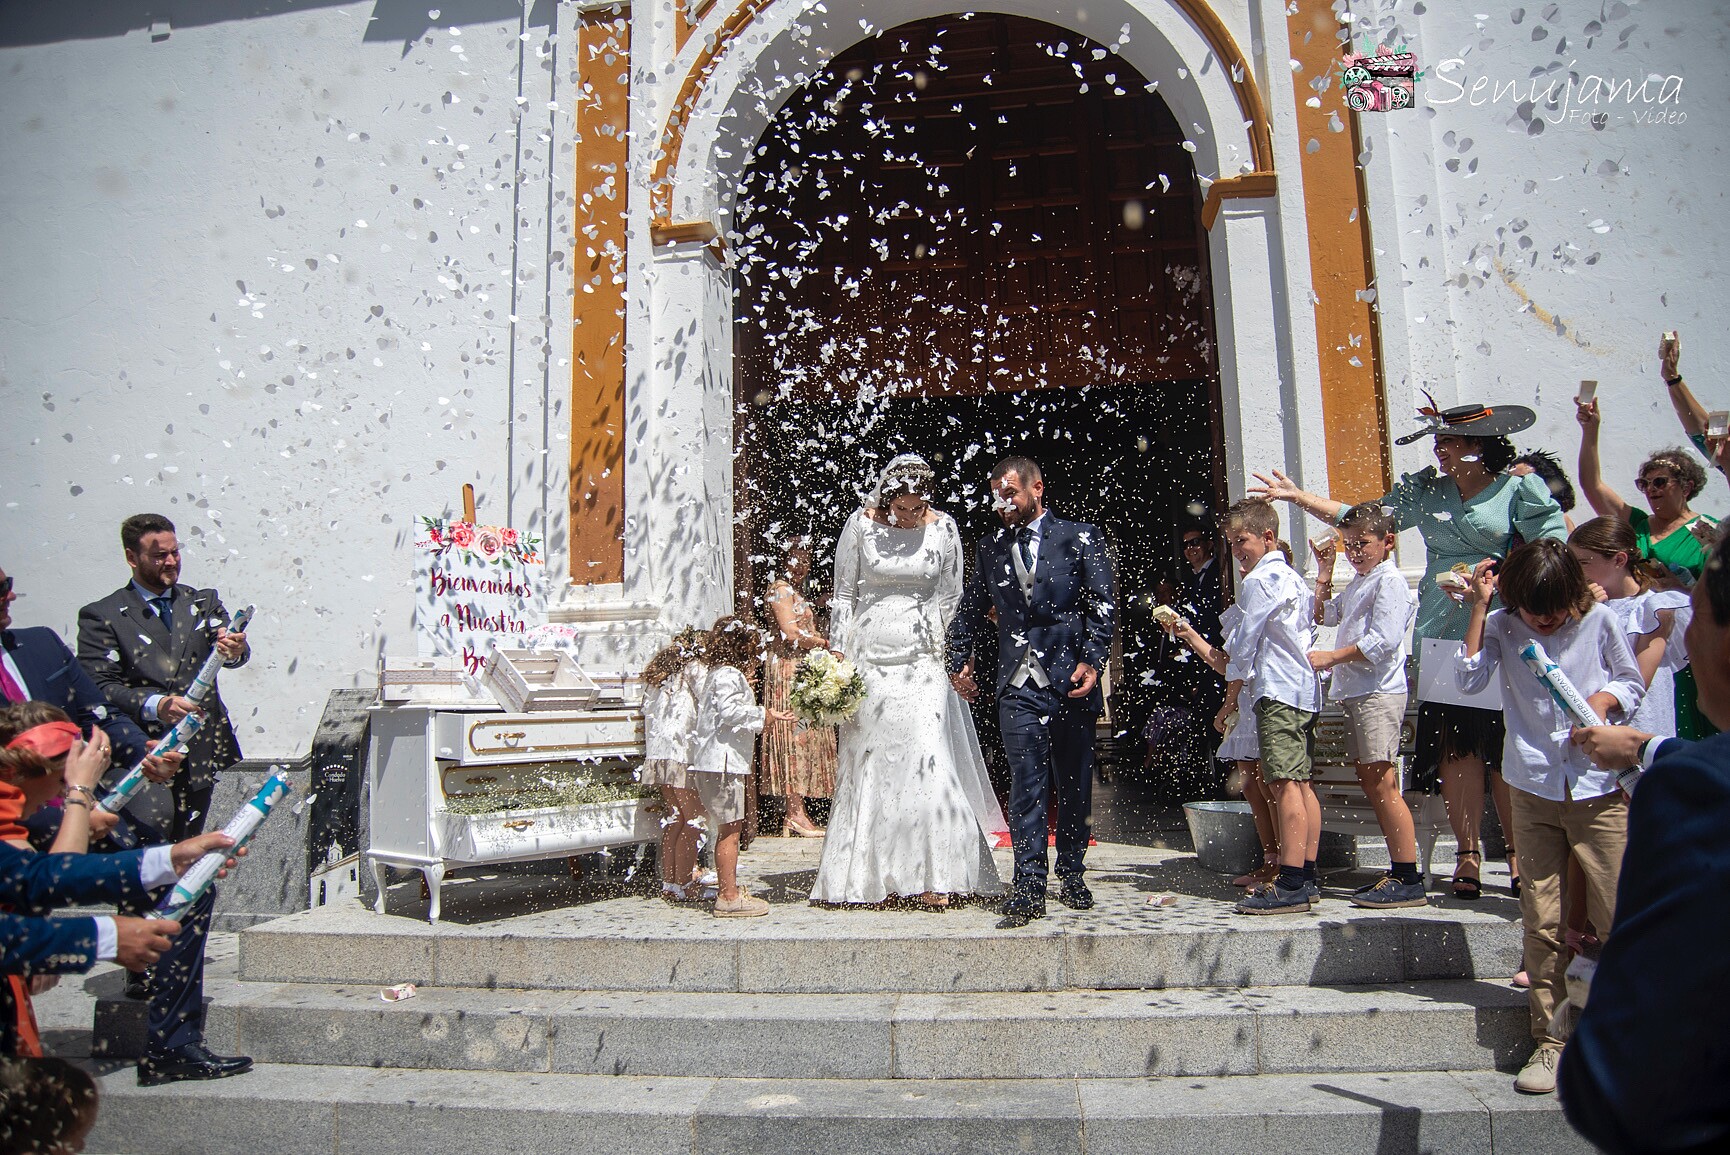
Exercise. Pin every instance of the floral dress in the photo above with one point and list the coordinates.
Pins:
(796, 760)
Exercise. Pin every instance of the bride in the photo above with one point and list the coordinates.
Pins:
(912, 807)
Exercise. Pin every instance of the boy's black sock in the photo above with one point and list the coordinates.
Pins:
(1310, 870)
(1290, 877)
(1406, 872)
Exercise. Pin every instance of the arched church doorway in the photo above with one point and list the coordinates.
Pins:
(970, 236)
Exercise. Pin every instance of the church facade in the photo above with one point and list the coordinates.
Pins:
(294, 273)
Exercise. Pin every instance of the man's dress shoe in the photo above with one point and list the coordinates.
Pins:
(192, 1061)
(138, 985)
(1075, 895)
(1020, 912)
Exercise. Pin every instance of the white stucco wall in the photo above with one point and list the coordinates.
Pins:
(263, 274)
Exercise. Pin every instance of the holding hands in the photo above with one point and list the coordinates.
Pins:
(1326, 550)
(1482, 587)
(1670, 356)
(173, 707)
(232, 646)
(161, 768)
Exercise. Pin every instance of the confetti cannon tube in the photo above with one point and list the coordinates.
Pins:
(246, 820)
(124, 790)
(205, 684)
(1564, 691)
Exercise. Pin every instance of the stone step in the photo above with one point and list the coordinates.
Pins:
(299, 1110)
(1439, 1025)
(636, 943)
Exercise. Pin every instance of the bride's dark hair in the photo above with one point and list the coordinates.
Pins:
(914, 477)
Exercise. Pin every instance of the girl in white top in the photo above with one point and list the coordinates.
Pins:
(1653, 619)
(728, 722)
(669, 726)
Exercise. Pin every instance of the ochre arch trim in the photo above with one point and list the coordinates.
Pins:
(1212, 28)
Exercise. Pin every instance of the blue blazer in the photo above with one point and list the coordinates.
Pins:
(33, 884)
(53, 675)
(1069, 619)
(1649, 1061)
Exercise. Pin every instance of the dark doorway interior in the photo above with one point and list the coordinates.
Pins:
(1124, 458)
(971, 236)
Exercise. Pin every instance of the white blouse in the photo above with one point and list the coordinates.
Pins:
(670, 717)
(728, 722)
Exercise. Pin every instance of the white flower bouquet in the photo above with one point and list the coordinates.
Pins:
(827, 690)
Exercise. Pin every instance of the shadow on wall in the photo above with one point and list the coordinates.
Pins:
(391, 20)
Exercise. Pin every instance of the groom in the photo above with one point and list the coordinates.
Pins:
(1050, 582)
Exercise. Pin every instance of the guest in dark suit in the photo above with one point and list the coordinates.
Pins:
(1649, 1061)
(1050, 582)
(33, 884)
(143, 645)
(37, 666)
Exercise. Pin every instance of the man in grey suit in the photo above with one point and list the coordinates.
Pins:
(143, 645)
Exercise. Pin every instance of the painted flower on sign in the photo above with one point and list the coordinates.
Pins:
(488, 544)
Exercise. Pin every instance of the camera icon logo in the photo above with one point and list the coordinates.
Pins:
(1379, 83)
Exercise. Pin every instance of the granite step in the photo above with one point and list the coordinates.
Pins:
(1438, 1025)
(295, 1110)
(634, 943)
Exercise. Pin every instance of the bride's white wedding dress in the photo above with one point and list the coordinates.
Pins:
(912, 804)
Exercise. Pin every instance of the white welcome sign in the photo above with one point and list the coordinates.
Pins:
(474, 584)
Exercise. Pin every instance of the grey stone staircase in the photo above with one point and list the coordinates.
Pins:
(554, 1018)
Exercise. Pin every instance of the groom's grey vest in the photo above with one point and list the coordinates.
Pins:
(1029, 667)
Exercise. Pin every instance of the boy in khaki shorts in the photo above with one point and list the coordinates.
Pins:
(1274, 638)
(1374, 614)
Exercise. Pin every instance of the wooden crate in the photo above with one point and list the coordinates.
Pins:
(529, 681)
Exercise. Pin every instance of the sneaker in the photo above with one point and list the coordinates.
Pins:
(1275, 899)
(1538, 1076)
(745, 906)
(1313, 888)
(1388, 892)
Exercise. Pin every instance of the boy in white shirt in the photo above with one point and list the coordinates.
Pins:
(1374, 614)
(1274, 639)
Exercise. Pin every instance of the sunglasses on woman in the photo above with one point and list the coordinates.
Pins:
(1653, 484)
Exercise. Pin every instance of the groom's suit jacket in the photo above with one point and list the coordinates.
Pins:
(1069, 618)
(126, 650)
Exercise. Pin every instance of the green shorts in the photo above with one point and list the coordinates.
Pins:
(1284, 732)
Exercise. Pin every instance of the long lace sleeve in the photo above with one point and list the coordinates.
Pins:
(846, 590)
(952, 570)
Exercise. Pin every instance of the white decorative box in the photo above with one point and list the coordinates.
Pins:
(439, 680)
(527, 681)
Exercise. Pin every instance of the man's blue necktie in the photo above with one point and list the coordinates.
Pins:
(165, 610)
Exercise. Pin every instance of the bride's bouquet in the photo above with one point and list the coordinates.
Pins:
(827, 690)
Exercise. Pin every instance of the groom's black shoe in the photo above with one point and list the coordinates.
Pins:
(1074, 894)
(1019, 911)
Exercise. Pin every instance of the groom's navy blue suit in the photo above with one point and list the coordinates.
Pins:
(1068, 618)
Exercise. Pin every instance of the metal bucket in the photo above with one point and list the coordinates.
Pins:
(1224, 836)
(1226, 841)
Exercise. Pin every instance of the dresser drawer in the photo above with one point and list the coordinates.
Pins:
(552, 832)
(482, 739)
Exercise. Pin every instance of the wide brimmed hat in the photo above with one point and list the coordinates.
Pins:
(1470, 421)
